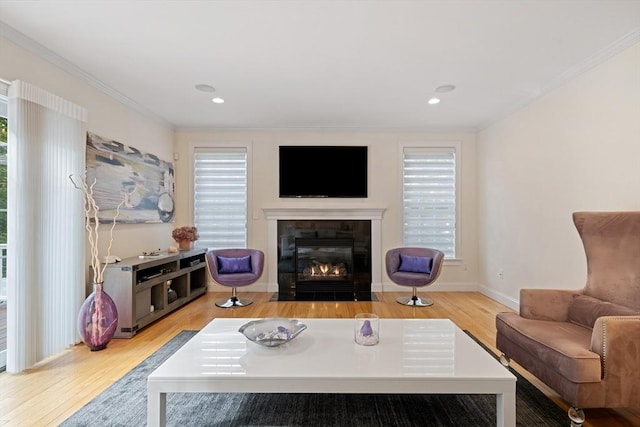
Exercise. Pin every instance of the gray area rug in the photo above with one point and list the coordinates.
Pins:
(125, 404)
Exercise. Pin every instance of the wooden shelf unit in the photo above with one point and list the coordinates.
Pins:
(139, 286)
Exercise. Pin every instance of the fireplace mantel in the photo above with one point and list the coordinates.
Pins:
(323, 213)
(272, 215)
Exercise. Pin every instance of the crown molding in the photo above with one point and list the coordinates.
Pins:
(42, 52)
(574, 71)
(330, 129)
(592, 61)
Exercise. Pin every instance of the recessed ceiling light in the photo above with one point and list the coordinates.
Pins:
(205, 88)
(445, 88)
(434, 101)
(218, 100)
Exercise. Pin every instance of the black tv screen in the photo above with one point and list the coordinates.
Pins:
(323, 171)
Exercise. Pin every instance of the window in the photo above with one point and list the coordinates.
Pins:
(220, 197)
(429, 198)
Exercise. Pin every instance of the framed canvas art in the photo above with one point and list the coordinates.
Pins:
(123, 173)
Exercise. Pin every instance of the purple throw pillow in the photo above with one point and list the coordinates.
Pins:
(415, 264)
(234, 265)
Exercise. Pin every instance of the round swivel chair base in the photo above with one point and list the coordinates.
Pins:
(234, 302)
(415, 301)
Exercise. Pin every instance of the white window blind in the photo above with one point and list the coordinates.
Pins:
(220, 197)
(429, 198)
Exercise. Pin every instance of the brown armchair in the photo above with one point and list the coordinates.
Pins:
(585, 344)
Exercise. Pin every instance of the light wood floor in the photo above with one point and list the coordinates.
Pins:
(51, 392)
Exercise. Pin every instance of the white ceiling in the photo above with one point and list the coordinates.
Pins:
(365, 65)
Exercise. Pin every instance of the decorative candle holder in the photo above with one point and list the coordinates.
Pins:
(367, 329)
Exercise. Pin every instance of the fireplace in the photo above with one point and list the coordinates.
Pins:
(279, 246)
(323, 265)
(324, 260)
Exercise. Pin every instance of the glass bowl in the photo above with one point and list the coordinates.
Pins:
(273, 331)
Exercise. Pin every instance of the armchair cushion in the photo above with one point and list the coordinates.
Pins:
(585, 310)
(235, 265)
(415, 264)
(562, 347)
(546, 304)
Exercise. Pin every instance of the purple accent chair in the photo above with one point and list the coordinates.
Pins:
(235, 279)
(414, 279)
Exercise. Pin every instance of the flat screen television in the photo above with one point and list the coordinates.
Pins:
(323, 171)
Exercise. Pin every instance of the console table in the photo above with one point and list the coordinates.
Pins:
(140, 286)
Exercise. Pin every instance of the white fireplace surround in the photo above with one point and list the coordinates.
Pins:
(272, 215)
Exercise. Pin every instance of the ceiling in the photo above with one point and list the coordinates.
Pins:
(350, 65)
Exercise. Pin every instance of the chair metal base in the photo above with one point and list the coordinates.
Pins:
(234, 302)
(505, 360)
(577, 417)
(415, 301)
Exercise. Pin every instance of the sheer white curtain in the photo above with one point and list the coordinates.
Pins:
(45, 256)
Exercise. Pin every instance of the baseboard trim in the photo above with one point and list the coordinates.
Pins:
(500, 297)
(375, 287)
(392, 287)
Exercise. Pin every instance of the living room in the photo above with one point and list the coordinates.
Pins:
(572, 146)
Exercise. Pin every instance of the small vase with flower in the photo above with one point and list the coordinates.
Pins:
(185, 236)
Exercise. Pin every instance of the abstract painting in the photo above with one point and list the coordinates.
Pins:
(122, 173)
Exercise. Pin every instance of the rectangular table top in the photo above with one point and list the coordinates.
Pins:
(416, 351)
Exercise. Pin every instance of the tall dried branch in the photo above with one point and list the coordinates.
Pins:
(92, 225)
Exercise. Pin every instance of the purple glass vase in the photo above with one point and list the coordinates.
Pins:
(98, 319)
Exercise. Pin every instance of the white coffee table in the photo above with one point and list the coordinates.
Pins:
(416, 356)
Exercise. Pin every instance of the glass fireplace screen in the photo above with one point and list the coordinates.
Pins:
(324, 259)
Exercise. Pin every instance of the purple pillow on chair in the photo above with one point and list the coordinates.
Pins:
(415, 264)
(234, 265)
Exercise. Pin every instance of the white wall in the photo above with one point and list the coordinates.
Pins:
(575, 149)
(108, 118)
(384, 187)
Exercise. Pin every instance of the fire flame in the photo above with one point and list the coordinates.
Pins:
(317, 269)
